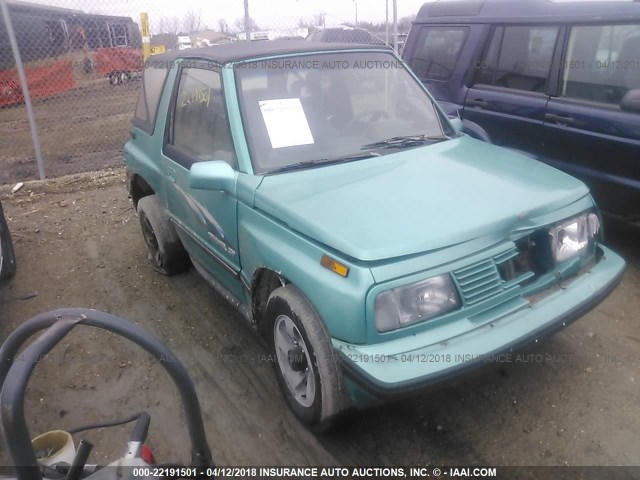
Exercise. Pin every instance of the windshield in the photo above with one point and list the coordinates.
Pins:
(309, 108)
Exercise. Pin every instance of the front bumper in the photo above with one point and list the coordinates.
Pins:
(397, 368)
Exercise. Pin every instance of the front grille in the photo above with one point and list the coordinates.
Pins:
(493, 276)
(479, 281)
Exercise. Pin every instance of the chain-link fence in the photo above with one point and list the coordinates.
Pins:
(82, 60)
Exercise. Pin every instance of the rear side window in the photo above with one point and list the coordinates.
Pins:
(519, 58)
(150, 93)
(602, 63)
(437, 51)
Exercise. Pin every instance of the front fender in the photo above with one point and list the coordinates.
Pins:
(340, 301)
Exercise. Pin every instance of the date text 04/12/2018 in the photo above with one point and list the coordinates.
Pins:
(311, 472)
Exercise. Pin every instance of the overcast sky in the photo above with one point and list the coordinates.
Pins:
(267, 13)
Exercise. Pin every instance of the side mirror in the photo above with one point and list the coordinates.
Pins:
(631, 101)
(216, 175)
(457, 125)
(470, 128)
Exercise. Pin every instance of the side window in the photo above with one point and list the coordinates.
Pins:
(602, 63)
(153, 82)
(521, 60)
(200, 128)
(437, 52)
(119, 35)
(487, 67)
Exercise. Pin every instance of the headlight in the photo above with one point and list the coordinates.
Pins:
(415, 303)
(572, 238)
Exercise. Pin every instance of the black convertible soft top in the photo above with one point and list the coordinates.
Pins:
(245, 50)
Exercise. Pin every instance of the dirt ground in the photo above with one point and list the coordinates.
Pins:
(78, 244)
(81, 130)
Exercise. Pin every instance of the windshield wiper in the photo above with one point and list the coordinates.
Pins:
(324, 161)
(406, 141)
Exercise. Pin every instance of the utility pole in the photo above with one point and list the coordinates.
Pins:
(247, 20)
(395, 25)
(386, 21)
(356, 4)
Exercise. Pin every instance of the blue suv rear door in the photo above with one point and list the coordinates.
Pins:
(586, 132)
(510, 91)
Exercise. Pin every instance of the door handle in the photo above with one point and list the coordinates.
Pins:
(562, 119)
(171, 174)
(477, 102)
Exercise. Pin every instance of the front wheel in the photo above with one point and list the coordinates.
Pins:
(306, 367)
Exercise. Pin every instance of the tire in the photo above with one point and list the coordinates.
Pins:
(167, 254)
(7, 254)
(302, 352)
(114, 78)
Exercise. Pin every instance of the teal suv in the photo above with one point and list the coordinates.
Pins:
(379, 249)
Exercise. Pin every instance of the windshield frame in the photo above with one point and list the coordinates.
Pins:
(442, 119)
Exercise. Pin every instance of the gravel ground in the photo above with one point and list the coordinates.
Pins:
(80, 130)
(78, 244)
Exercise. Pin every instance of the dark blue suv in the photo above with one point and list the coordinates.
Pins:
(558, 80)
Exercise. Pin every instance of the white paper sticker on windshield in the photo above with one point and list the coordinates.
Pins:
(286, 122)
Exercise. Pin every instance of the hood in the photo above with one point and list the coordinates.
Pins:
(416, 200)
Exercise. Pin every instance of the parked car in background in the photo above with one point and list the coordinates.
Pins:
(559, 80)
(322, 191)
(184, 42)
(7, 255)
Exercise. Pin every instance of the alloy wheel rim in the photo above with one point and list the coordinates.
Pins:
(294, 360)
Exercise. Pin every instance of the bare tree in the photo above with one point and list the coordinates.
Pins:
(239, 25)
(404, 24)
(169, 25)
(223, 26)
(161, 25)
(192, 21)
(318, 20)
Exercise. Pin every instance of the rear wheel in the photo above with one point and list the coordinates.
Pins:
(166, 252)
(305, 363)
(7, 255)
(119, 78)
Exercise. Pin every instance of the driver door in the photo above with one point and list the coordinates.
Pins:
(198, 131)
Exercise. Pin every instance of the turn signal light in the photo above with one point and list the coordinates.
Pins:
(334, 266)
